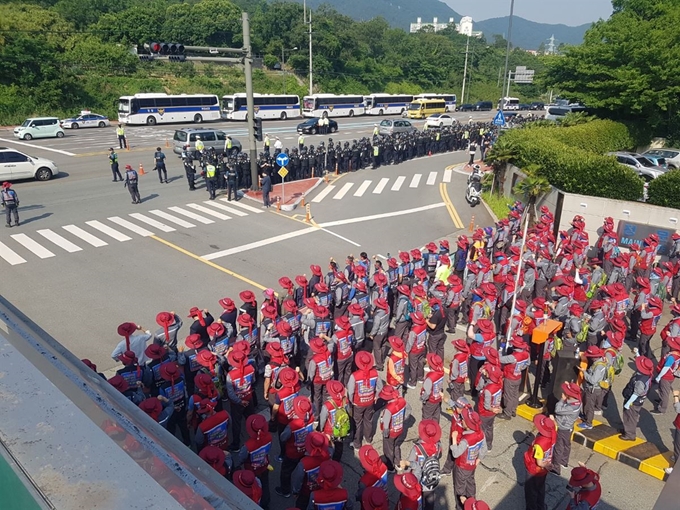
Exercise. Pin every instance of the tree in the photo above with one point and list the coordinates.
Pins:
(500, 156)
(532, 188)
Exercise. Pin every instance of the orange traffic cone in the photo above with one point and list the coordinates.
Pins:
(167, 144)
(429, 153)
(141, 169)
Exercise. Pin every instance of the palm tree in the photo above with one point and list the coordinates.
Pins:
(575, 118)
(532, 188)
(500, 156)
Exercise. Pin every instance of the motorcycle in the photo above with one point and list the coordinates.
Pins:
(473, 194)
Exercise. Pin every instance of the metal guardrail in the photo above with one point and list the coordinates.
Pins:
(158, 454)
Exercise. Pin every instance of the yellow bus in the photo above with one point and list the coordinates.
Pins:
(423, 108)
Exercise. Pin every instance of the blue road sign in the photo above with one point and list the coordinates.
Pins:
(282, 159)
(499, 119)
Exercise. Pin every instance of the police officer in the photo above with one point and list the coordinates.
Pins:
(122, 141)
(266, 144)
(301, 141)
(376, 154)
(200, 147)
(228, 146)
(231, 178)
(10, 201)
(159, 159)
(211, 179)
(131, 183)
(189, 167)
(113, 160)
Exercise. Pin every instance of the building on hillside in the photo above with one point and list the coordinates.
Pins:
(464, 27)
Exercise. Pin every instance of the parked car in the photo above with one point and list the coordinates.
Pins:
(466, 107)
(85, 120)
(440, 120)
(657, 160)
(537, 105)
(642, 166)
(390, 127)
(210, 137)
(483, 106)
(311, 126)
(16, 165)
(39, 127)
(672, 156)
(524, 106)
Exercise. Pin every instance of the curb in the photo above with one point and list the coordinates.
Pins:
(291, 206)
(640, 454)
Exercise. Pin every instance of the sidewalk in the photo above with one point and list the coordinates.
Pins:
(293, 193)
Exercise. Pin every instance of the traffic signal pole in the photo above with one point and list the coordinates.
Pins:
(249, 99)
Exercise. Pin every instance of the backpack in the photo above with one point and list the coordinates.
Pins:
(430, 472)
(550, 271)
(340, 423)
(618, 363)
(583, 334)
(606, 383)
(409, 310)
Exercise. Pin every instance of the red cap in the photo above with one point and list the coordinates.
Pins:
(364, 360)
(302, 407)
(374, 498)
(408, 485)
(594, 351)
(316, 270)
(321, 312)
(335, 390)
(389, 393)
(128, 358)
(155, 351)
(571, 390)
(461, 345)
(227, 304)
(360, 286)
(247, 296)
(369, 458)
(581, 476)
(170, 371)
(355, 309)
(301, 280)
(286, 283)
(429, 431)
(214, 456)
(316, 444)
(256, 424)
(317, 345)
(118, 382)
(475, 504)
(288, 377)
(435, 361)
(330, 474)
(396, 343)
(343, 323)
(245, 320)
(321, 287)
(206, 358)
(644, 365)
(194, 341)
(269, 311)
(216, 330)
(151, 406)
(284, 329)
(237, 358)
(382, 303)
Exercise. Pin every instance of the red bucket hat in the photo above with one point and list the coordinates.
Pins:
(335, 390)
(369, 458)
(581, 476)
(316, 270)
(374, 498)
(571, 390)
(194, 341)
(288, 377)
(247, 296)
(388, 393)
(429, 431)
(155, 351)
(396, 343)
(330, 474)
(545, 426)
(408, 485)
(435, 361)
(170, 372)
(206, 358)
(355, 309)
(256, 424)
(227, 304)
(284, 329)
(214, 456)
(644, 365)
(317, 345)
(461, 345)
(286, 283)
(216, 329)
(364, 360)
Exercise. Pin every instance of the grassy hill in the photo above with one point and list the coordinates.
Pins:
(529, 34)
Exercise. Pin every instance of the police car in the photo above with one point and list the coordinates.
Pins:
(86, 119)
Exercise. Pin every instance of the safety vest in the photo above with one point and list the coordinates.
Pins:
(330, 499)
(295, 446)
(496, 391)
(669, 375)
(258, 453)
(9, 196)
(310, 466)
(474, 440)
(420, 331)
(345, 343)
(243, 381)
(462, 359)
(398, 364)
(120, 131)
(266, 141)
(210, 171)
(229, 144)
(131, 176)
(200, 145)
(324, 367)
(436, 394)
(397, 409)
(132, 375)
(648, 326)
(513, 371)
(547, 444)
(286, 396)
(215, 429)
(301, 140)
(376, 150)
(176, 393)
(114, 158)
(364, 389)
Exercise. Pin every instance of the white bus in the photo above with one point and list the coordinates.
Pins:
(387, 104)
(267, 106)
(449, 99)
(508, 103)
(330, 105)
(152, 109)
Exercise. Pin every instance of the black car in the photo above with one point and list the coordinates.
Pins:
(524, 106)
(537, 105)
(311, 126)
(483, 106)
(467, 107)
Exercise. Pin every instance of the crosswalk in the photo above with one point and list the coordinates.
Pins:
(338, 192)
(47, 243)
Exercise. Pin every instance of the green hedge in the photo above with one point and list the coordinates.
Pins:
(665, 190)
(571, 158)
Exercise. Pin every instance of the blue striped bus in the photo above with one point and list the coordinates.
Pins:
(152, 109)
(387, 104)
(330, 105)
(267, 106)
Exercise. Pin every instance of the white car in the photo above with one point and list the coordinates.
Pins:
(85, 120)
(16, 165)
(440, 120)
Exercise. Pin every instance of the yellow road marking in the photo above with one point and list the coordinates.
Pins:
(208, 263)
(449, 206)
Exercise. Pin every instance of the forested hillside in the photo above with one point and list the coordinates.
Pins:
(62, 56)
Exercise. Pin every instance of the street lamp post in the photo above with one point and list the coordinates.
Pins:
(283, 62)
(507, 49)
(467, 49)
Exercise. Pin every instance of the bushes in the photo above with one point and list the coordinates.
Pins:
(571, 158)
(665, 190)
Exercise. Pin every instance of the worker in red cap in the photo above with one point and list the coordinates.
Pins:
(378, 333)
(340, 289)
(514, 364)
(277, 361)
(202, 319)
(282, 408)
(135, 375)
(294, 436)
(594, 382)
(219, 339)
(170, 324)
(482, 335)
(249, 305)
(475, 504)
(643, 287)
(343, 345)
(250, 485)
(186, 358)
(214, 426)
(357, 318)
(405, 268)
(229, 313)
(134, 394)
(319, 371)
(374, 498)
(323, 295)
(650, 314)
(317, 274)
(217, 459)
(305, 478)
(135, 340)
(360, 295)
(410, 492)
(396, 364)
(468, 450)
(567, 411)
(416, 346)
(249, 332)
(301, 290)
(634, 394)
(363, 389)
(330, 496)
(254, 454)
(174, 389)
(458, 369)
(584, 489)
(375, 471)
(159, 409)
(430, 256)
(334, 419)
(402, 311)
(240, 383)
(393, 425)
(452, 302)
(489, 403)
(378, 285)
(667, 367)
(436, 324)
(457, 407)
(432, 392)
(204, 388)
(423, 461)
(538, 460)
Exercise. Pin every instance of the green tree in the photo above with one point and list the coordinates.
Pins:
(500, 156)
(532, 188)
(206, 23)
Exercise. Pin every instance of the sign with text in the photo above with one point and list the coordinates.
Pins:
(630, 232)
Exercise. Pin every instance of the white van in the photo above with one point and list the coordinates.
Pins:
(39, 127)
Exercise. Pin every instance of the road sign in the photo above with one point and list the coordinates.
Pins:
(523, 75)
(499, 119)
(283, 171)
(282, 160)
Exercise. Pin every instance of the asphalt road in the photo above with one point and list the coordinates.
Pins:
(85, 259)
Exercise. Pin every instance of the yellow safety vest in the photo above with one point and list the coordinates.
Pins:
(376, 150)
(120, 131)
(210, 171)
(375, 131)
(228, 144)
(200, 145)
(301, 140)
(266, 141)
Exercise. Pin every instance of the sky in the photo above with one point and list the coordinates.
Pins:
(567, 12)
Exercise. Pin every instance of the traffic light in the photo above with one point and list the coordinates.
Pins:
(258, 129)
(165, 48)
(146, 58)
(154, 47)
(177, 58)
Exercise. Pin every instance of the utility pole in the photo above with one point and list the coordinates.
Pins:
(249, 100)
(507, 49)
(311, 81)
(467, 49)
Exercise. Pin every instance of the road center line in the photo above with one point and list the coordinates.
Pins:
(37, 146)
(259, 244)
(381, 216)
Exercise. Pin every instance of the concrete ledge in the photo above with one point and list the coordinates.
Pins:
(294, 192)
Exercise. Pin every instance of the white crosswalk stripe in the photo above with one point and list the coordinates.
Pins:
(10, 255)
(415, 181)
(131, 226)
(60, 241)
(191, 215)
(150, 221)
(343, 191)
(362, 189)
(244, 206)
(398, 183)
(32, 246)
(85, 236)
(105, 229)
(231, 210)
(172, 219)
(323, 194)
(381, 185)
(432, 178)
(209, 212)
(447, 175)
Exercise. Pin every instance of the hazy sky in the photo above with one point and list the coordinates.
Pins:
(568, 12)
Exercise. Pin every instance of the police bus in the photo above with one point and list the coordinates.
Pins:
(152, 109)
(267, 106)
(387, 104)
(449, 99)
(330, 105)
